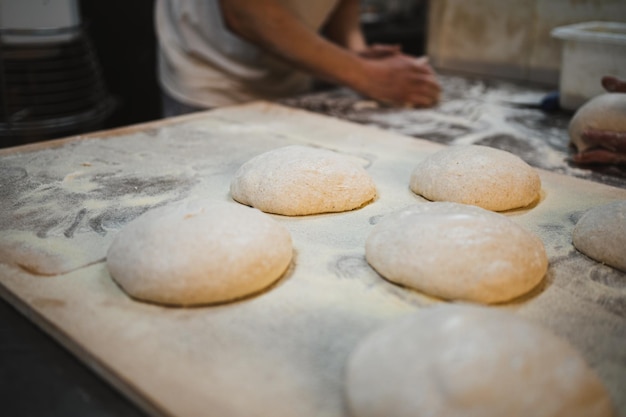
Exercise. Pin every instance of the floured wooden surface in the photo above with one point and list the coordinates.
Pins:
(280, 353)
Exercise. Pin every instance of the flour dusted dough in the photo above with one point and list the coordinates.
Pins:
(199, 252)
(468, 361)
(601, 234)
(300, 180)
(479, 175)
(457, 251)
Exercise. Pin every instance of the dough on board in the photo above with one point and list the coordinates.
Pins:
(457, 251)
(469, 361)
(299, 180)
(479, 175)
(601, 234)
(199, 252)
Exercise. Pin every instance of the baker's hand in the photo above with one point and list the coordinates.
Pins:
(611, 141)
(607, 147)
(600, 145)
(613, 84)
(401, 80)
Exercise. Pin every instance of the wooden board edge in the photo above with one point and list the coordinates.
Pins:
(118, 131)
(99, 368)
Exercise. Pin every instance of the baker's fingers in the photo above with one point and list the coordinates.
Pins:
(613, 84)
(427, 83)
(422, 60)
(423, 100)
(424, 95)
(422, 65)
(377, 51)
(610, 140)
(599, 156)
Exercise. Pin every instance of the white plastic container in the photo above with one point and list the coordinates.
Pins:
(36, 21)
(590, 51)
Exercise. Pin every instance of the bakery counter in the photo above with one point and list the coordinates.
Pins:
(505, 115)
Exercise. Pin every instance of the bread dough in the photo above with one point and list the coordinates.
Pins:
(469, 361)
(604, 112)
(300, 180)
(199, 252)
(479, 175)
(601, 234)
(457, 251)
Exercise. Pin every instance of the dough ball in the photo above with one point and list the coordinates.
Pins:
(479, 175)
(601, 234)
(468, 361)
(300, 180)
(603, 112)
(199, 252)
(456, 251)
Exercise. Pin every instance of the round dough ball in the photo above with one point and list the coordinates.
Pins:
(300, 180)
(601, 234)
(479, 175)
(603, 112)
(456, 251)
(199, 252)
(468, 361)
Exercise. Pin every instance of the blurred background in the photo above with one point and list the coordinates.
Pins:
(74, 66)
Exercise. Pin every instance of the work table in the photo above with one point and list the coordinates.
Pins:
(494, 113)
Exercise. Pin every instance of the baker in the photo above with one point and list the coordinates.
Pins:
(216, 53)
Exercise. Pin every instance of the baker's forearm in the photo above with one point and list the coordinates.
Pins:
(344, 26)
(274, 28)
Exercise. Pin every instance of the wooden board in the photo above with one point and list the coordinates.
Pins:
(282, 352)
